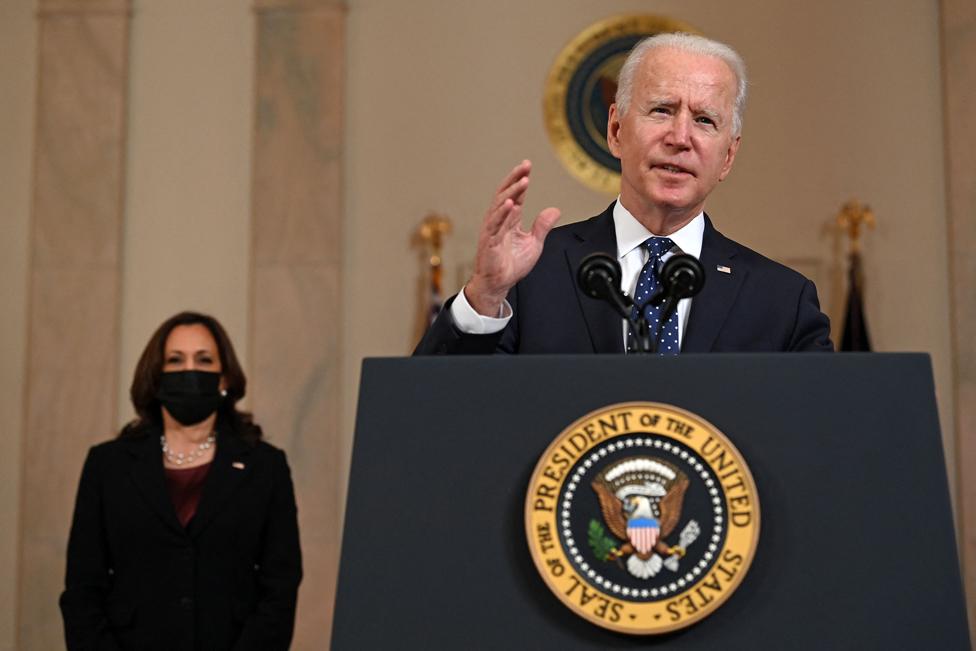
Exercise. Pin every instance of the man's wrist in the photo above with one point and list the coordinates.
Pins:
(486, 303)
(468, 321)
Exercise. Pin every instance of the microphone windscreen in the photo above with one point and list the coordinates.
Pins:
(597, 275)
(682, 276)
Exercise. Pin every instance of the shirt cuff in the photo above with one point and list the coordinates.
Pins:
(471, 323)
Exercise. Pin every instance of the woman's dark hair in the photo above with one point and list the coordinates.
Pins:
(145, 380)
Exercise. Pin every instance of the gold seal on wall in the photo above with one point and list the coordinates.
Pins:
(642, 518)
(580, 89)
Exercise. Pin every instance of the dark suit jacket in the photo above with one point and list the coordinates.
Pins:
(136, 579)
(761, 306)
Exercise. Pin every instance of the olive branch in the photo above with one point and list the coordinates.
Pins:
(603, 546)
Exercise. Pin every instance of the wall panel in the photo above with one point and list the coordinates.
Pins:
(959, 74)
(74, 285)
(295, 300)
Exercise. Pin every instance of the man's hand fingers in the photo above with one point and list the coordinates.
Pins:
(519, 171)
(544, 222)
(496, 218)
(519, 190)
(515, 192)
(514, 185)
(514, 219)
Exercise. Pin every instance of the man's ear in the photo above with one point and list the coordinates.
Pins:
(613, 131)
(730, 157)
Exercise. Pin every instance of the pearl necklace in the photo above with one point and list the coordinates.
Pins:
(179, 458)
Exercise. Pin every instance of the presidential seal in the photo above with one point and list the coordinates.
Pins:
(642, 517)
(581, 87)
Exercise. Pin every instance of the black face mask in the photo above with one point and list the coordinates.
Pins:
(190, 396)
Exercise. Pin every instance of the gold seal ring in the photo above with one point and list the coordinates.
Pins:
(642, 517)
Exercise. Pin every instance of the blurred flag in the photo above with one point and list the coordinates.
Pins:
(431, 235)
(855, 334)
(852, 217)
(436, 297)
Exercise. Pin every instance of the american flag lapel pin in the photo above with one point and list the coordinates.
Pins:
(238, 465)
(724, 269)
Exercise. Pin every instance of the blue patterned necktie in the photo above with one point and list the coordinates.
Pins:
(647, 285)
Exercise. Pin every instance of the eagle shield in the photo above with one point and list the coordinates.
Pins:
(643, 533)
(641, 500)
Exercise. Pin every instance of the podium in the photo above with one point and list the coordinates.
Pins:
(856, 550)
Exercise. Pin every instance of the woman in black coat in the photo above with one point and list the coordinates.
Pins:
(185, 532)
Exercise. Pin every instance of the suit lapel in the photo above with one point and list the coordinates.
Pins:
(602, 323)
(710, 308)
(230, 467)
(147, 475)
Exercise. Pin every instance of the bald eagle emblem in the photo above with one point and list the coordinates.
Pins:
(641, 499)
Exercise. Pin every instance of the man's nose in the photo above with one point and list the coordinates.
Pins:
(679, 135)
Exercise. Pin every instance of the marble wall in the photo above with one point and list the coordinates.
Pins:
(187, 238)
(296, 271)
(959, 74)
(17, 76)
(73, 312)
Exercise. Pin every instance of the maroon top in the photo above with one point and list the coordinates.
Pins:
(185, 487)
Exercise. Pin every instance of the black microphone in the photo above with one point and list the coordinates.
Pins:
(682, 276)
(599, 277)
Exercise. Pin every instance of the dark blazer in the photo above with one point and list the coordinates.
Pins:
(136, 579)
(761, 306)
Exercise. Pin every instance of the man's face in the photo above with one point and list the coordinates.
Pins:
(675, 141)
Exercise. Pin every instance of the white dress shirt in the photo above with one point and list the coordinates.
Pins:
(631, 256)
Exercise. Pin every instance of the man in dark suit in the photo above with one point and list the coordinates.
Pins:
(675, 126)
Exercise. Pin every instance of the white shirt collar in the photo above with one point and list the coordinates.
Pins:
(631, 233)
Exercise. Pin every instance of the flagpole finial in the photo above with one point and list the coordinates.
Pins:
(852, 216)
(432, 231)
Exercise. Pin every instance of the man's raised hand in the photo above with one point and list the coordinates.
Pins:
(506, 252)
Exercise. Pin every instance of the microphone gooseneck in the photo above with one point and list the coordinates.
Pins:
(681, 276)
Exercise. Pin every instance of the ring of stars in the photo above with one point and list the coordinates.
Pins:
(651, 445)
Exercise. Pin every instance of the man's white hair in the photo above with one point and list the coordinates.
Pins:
(688, 43)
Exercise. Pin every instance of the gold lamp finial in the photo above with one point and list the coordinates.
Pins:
(852, 216)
